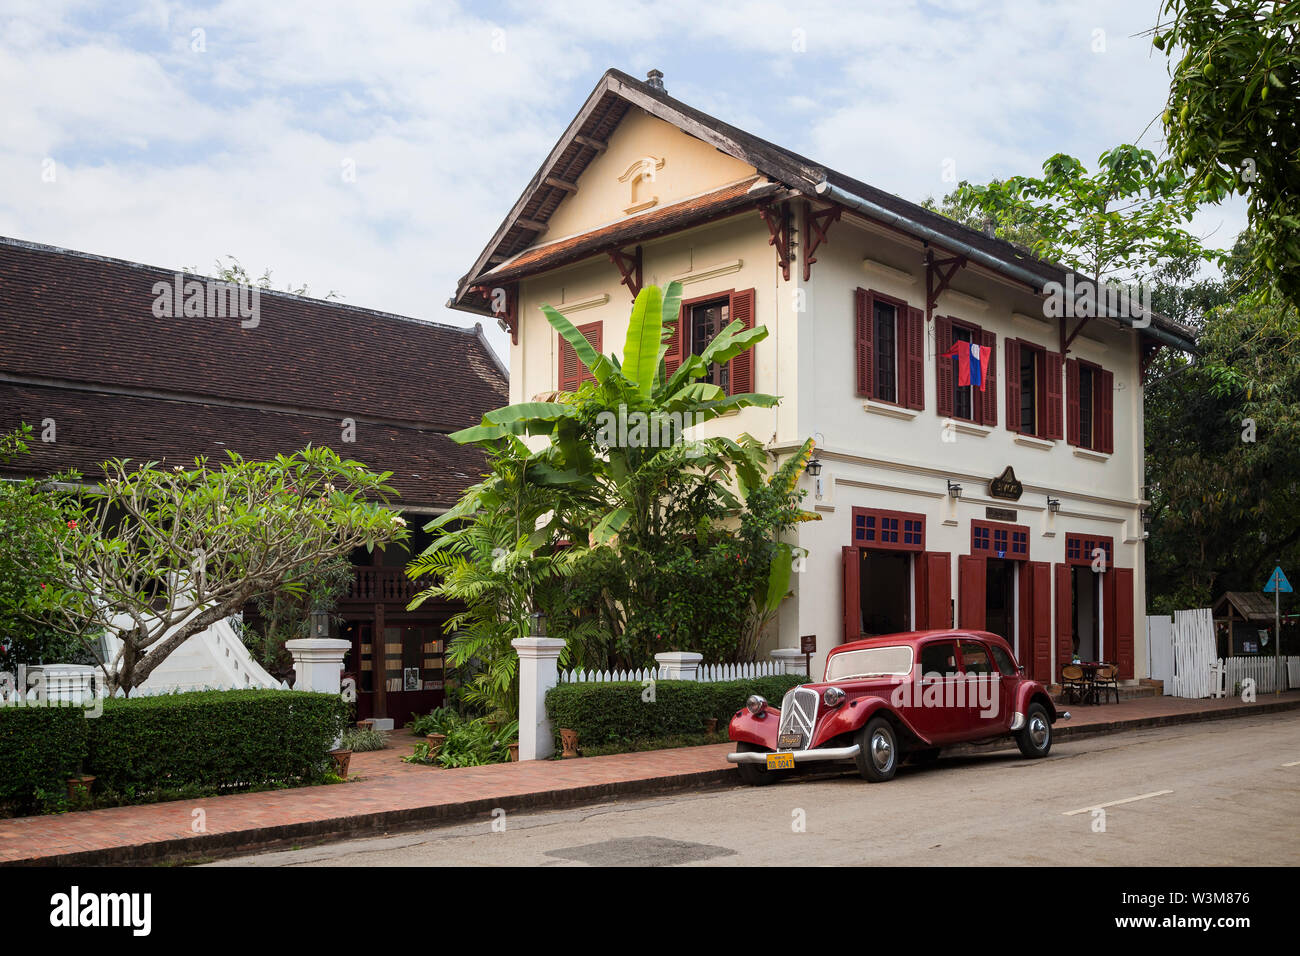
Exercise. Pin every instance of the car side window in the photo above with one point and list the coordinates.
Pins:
(975, 659)
(939, 658)
(1004, 662)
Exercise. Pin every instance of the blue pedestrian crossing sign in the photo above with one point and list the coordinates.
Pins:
(1277, 582)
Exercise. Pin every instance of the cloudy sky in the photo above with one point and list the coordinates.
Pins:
(371, 148)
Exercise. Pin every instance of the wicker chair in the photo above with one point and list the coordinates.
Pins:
(1075, 684)
(1105, 681)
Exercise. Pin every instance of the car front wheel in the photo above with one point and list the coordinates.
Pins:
(755, 774)
(1035, 738)
(878, 750)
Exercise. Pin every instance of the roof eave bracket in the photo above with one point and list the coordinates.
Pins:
(819, 223)
(778, 227)
(629, 269)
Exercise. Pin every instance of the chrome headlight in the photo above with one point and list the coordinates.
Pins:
(755, 705)
(832, 697)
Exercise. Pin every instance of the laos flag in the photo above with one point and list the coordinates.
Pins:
(970, 363)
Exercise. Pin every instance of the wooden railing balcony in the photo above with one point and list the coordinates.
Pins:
(377, 585)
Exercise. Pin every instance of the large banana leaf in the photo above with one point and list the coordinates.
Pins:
(524, 411)
(644, 334)
(611, 525)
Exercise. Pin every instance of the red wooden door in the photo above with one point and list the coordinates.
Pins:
(971, 571)
(1064, 618)
(933, 590)
(1124, 615)
(1040, 618)
(852, 568)
(1109, 651)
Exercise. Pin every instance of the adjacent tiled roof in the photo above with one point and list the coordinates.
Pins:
(429, 469)
(79, 343)
(617, 92)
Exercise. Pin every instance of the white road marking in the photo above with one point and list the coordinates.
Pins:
(1293, 763)
(1115, 803)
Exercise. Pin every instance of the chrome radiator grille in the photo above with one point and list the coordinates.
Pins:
(799, 712)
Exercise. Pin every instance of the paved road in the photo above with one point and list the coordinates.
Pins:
(1227, 798)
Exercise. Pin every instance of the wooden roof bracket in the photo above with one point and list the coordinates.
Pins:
(778, 226)
(503, 302)
(819, 223)
(629, 269)
(943, 270)
(1067, 339)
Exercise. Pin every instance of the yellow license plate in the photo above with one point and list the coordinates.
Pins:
(780, 761)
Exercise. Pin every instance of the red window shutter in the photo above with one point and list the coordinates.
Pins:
(1064, 618)
(572, 372)
(676, 335)
(921, 590)
(1040, 573)
(989, 394)
(1105, 411)
(1052, 397)
(1013, 385)
(1124, 621)
(971, 596)
(864, 346)
(852, 593)
(915, 363)
(741, 376)
(1072, 401)
(943, 366)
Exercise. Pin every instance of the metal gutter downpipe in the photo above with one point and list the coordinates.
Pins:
(835, 194)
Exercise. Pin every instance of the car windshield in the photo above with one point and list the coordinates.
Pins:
(870, 662)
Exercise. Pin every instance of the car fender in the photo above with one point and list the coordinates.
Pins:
(746, 728)
(1034, 692)
(852, 716)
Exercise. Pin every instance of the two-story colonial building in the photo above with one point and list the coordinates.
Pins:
(1013, 506)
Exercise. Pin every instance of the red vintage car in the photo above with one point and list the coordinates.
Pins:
(896, 697)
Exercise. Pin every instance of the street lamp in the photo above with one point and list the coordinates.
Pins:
(320, 623)
(1053, 504)
(954, 489)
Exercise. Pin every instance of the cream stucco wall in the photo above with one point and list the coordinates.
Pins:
(689, 167)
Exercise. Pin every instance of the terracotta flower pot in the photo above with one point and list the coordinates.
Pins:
(435, 742)
(570, 740)
(514, 753)
(79, 787)
(711, 725)
(342, 758)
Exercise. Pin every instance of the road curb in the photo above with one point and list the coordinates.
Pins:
(209, 846)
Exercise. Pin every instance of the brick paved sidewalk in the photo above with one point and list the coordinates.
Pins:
(395, 795)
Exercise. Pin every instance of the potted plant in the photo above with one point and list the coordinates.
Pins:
(435, 742)
(710, 725)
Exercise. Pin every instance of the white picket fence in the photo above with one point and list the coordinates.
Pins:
(1195, 653)
(707, 673)
(1262, 670)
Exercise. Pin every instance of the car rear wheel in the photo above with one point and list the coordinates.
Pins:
(756, 774)
(1035, 738)
(878, 750)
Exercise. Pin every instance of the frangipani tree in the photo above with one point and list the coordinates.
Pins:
(178, 549)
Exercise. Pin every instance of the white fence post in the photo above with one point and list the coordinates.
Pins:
(538, 673)
(679, 665)
(318, 666)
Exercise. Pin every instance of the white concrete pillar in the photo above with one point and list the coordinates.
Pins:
(792, 661)
(318, 666)
(679, 665)
(539, 671)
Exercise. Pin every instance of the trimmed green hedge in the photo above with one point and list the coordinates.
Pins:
(615, 712)
(214, 739)
(40, 747)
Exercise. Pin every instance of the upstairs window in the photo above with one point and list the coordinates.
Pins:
(969, 402)
(698, 322)
(1034, 390)
(1089, 400)
(706, 321)
(889, 350)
